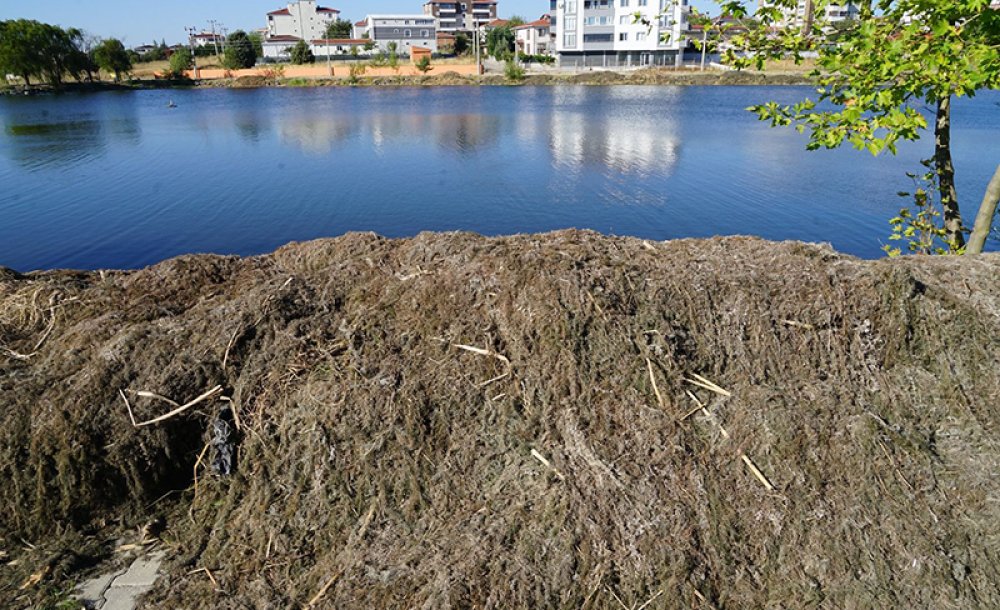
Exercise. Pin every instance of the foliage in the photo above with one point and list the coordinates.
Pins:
(423, 64)
(355, 51)
(920, 226)
(370, 44)
(302, 54)
(537, 59)
(393, 60)
(500, 43)
(240, 52)
(875, 83)
(180, 62)
(461, 44)
(34, 49)
(515, 21)
(341, 28)
(111, 56)
(513, 71)
(357, 70)
(257, 40)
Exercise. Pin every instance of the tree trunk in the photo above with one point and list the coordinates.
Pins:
(984, 219)
(946, 173)
(27, 80)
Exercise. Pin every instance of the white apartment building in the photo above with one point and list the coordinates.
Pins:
(407, 31)
(833, 13)
(604, 33)
(304, 20)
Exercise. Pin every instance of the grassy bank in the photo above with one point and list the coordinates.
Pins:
(459, 421)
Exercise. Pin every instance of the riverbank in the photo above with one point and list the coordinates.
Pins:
(653, 76)
(596, 77)
(454, 420)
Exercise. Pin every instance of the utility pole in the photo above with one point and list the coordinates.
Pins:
(194, 57)
(476, 45)
(215, 40)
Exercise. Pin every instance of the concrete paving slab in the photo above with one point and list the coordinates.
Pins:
(142, 573)
(123, 598)
(91, 593)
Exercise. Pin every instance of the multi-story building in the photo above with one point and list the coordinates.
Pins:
(407, 31)
(833, 13)
(535, 38)
(605, 33)
(206, 39)
(304, 20)
(461, 16)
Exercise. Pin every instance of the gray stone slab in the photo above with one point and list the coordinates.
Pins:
(91, 593)
(122, 598)
(142, 573)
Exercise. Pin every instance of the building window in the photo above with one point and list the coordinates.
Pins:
(407, 33)
(623, 37)
(643, 2)
(623, 3)
(570, 7)
(625, 20)
(569, 40)
(423, 33)
(640, 36)
(570, 23)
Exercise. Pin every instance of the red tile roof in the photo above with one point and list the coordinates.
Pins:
(282, 38)
(544, 22)
(497, 23)
(283, 11)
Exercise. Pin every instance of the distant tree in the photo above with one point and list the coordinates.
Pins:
(341, 28)
(461, 44)
(258, 43)
(500, 43)
(302, 54)
(355, 51)
(368, 45)
(515, 21)
(111, 56)
(424, 64)
(393, 55)
(240, 52)
(180, 62)
(513, 71)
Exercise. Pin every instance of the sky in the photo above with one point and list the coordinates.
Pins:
(138, 22)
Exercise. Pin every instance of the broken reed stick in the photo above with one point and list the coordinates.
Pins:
(197, 463)
(651, 600)
(178, 410)
(131, 416)
(483, 352)
(656, 389)
(708, 385)
(34, 350)
(326, 587)
(547, 464)
(157, 396)
(743, 456)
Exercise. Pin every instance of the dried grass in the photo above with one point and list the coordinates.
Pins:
(374, 469)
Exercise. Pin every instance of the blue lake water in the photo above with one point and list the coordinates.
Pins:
(119, 180)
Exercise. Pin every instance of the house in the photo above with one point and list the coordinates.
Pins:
(358, 29)
(279, 48)
(406, 31)
(605, 33)
(207, 39)
(455, 16)
(535, 38)
(303, 19)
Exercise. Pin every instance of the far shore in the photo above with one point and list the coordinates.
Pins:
(664, 77)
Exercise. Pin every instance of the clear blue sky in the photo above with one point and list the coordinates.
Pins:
(142, 21)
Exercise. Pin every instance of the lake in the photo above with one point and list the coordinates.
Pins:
(119, 180)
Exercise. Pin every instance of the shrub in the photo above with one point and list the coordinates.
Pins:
(302, 54)
(513, 71)
(180, 61)
(424, 64)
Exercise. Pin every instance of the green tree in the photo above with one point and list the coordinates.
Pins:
(515, 21)
(257, 40)
(393, 55)
(513, 71)
(461, 44)
(423, 64)
(500, 43)
(902, 56)
(111, 56)
(240, 52)
(180, 62)
(34, 49)
(302, 54)
(341, 28)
